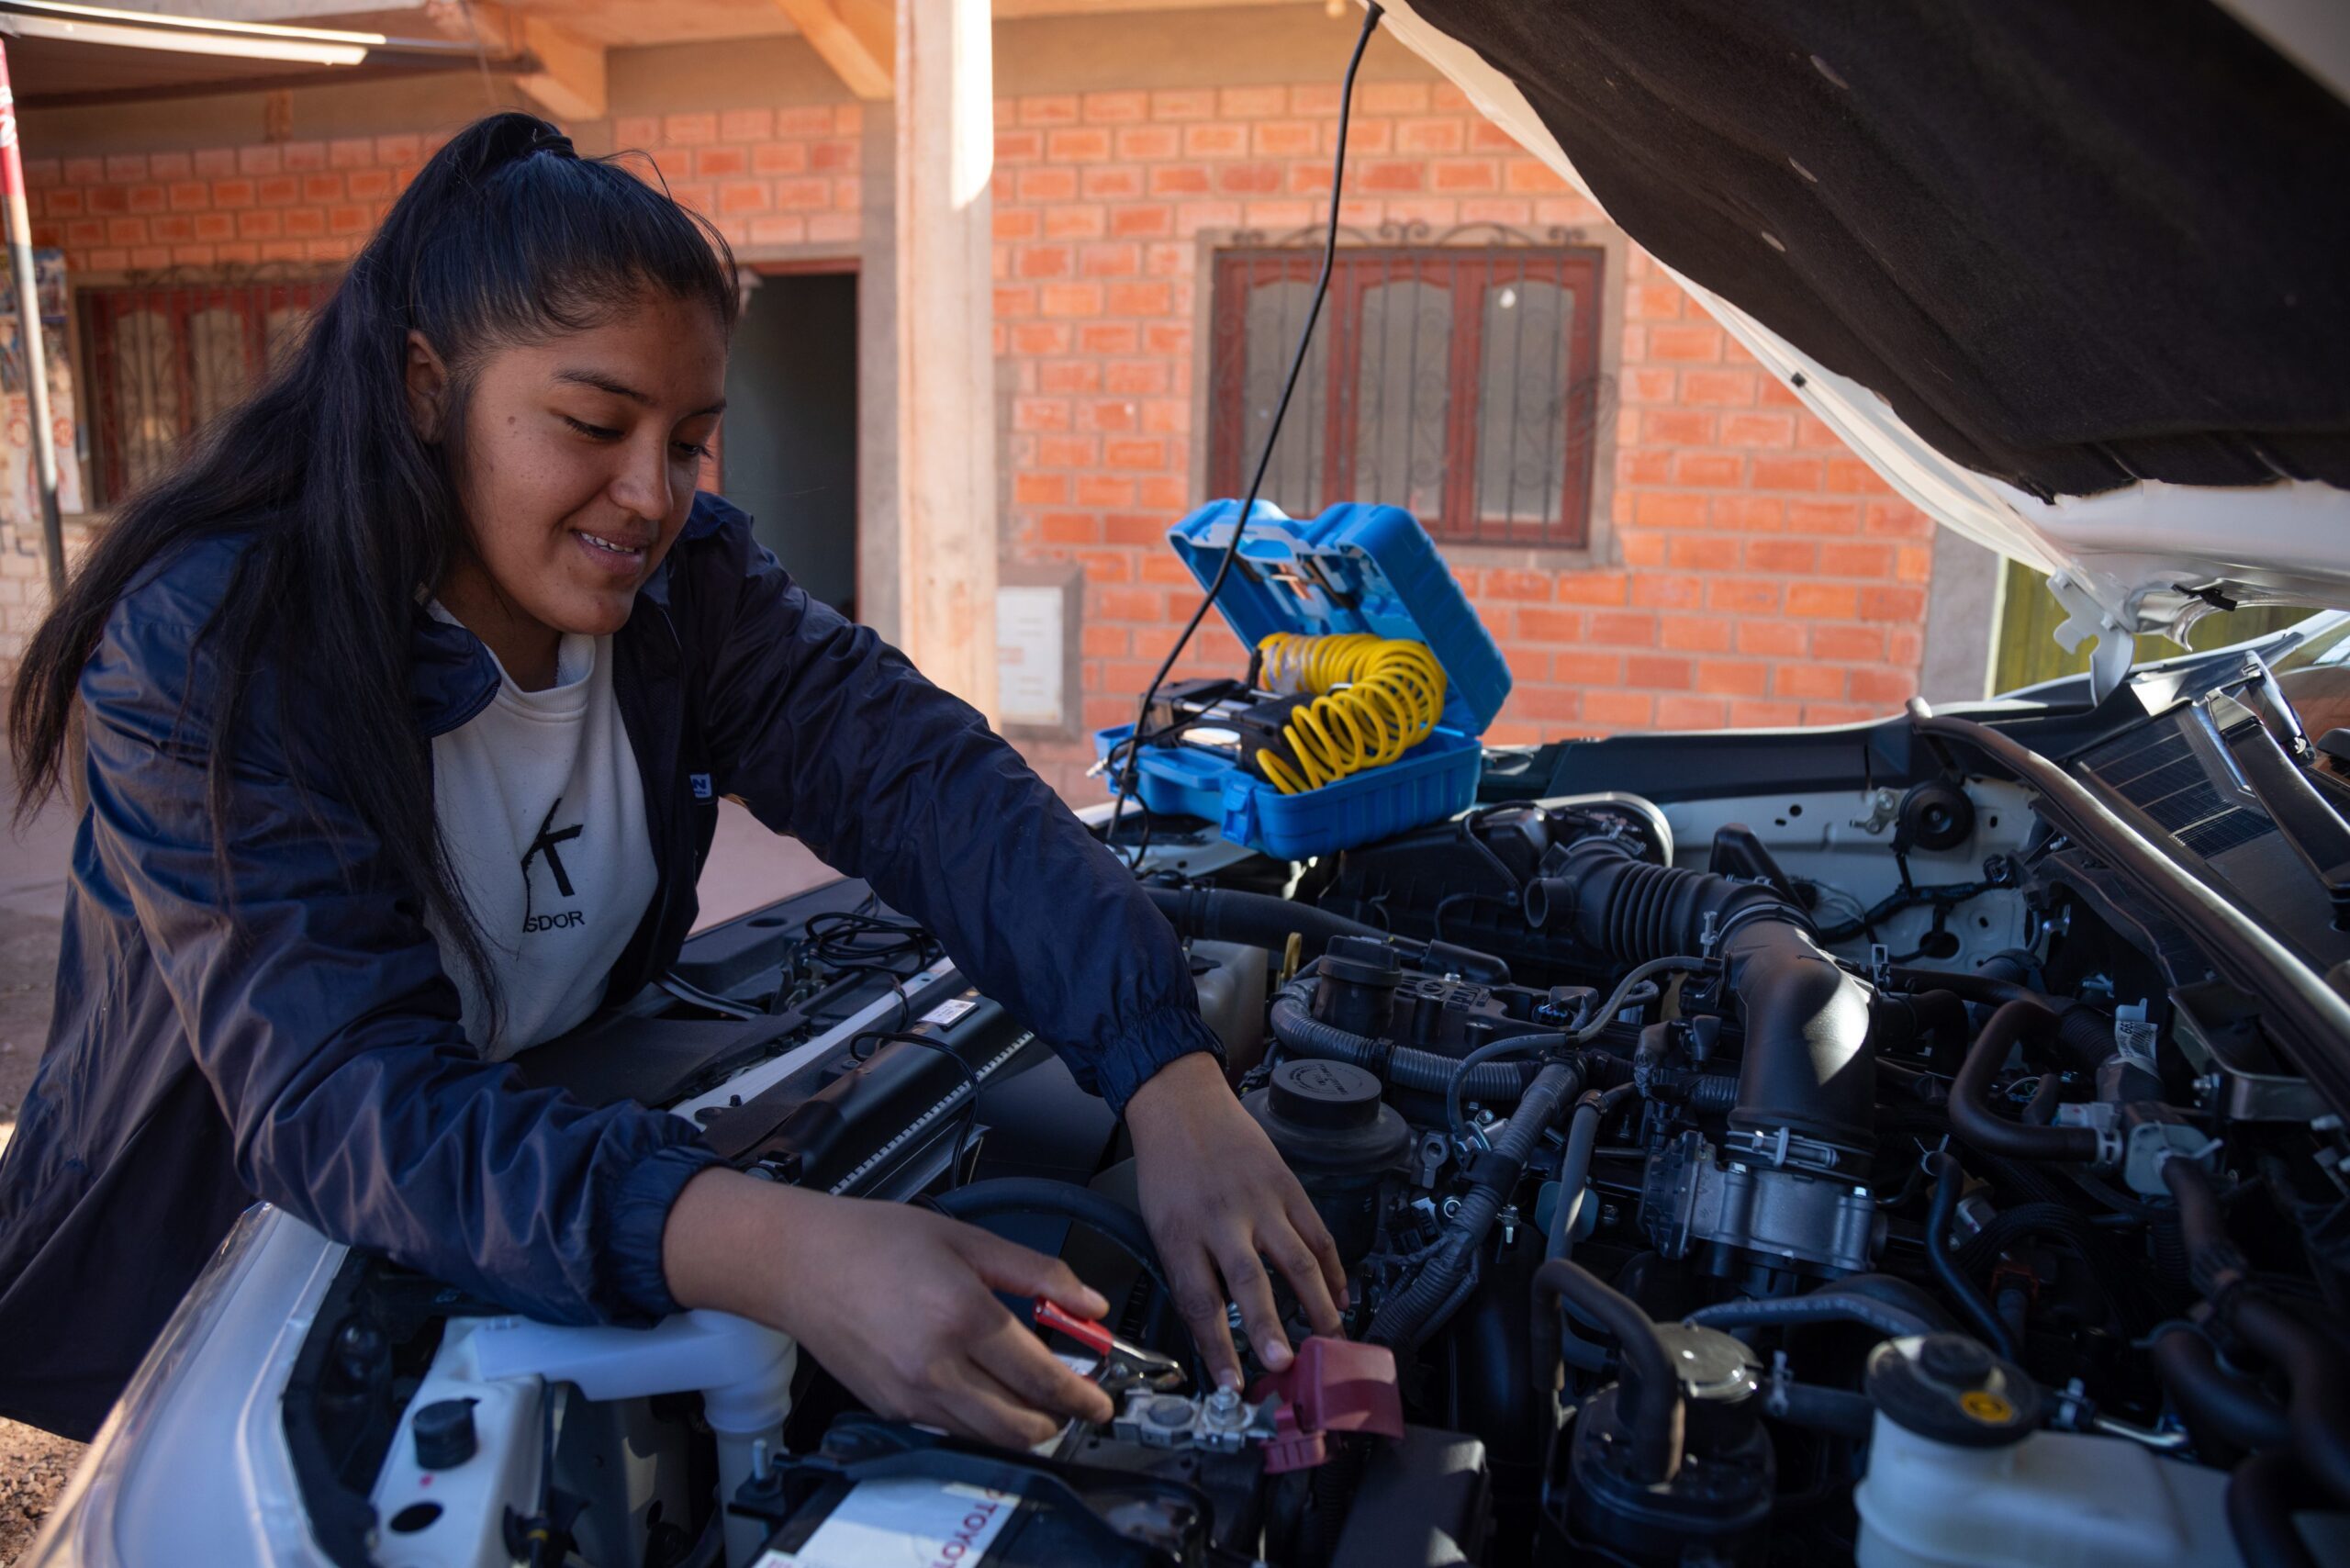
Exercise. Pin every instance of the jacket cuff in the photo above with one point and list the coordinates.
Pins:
(1158, 1039)
(640, 1213)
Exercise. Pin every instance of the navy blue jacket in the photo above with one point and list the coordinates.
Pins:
(310, 1054)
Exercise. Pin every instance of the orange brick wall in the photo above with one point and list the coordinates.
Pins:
(1760, 574)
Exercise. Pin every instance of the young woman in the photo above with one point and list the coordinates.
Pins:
(402, 711)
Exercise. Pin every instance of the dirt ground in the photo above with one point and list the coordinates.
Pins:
(33, 1464)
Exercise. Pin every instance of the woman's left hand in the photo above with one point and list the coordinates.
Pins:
(1218, 1201)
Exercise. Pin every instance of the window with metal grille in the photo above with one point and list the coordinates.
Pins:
(165, 359)
(1459, 382)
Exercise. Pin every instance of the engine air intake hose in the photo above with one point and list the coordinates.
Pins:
(1807, 1066)
(1374, 699)
(1260, 920)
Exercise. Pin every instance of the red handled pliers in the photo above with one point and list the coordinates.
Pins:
(1122, 1364)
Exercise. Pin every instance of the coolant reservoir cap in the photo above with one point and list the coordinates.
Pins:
(1953, 1390)
(1325, 1094)
(445, 1434)
(1712, 1365)
(1326, 1116)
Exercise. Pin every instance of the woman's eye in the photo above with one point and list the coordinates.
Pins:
(694, 449)
(593, 432)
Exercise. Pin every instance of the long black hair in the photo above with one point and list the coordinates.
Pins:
(504, 237)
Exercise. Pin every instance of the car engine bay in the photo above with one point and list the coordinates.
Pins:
(1815, 1147)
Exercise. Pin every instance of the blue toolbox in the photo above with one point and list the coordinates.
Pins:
(1355, 569)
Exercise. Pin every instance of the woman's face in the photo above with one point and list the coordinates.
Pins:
(580, 456)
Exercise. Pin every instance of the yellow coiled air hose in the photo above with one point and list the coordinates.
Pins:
(1374, 699)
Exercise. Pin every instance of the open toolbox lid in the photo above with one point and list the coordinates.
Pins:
(1357, 568)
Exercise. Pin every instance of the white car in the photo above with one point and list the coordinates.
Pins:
(1912, 1142)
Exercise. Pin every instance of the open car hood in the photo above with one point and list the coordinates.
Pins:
(2071, 279)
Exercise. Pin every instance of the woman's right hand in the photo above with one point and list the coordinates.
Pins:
(898, 1303)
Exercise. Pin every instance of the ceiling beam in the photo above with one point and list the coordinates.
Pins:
(856, 39)
(569, 83)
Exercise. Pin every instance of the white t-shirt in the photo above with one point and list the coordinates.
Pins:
(542, 811)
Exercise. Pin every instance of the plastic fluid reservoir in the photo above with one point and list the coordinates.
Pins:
(1231, 982)
(1959, 1476)
(1327, 1120)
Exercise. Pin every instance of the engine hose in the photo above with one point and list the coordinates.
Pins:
(2083, 1036)
(2214, 1265)
(2211, 1399)
(1651, 1386)
(1510, 1046)
(2317, 1380)
(1374, 699)
(1403, 1322)
(1550, 1339)
(1838, 1411)
(1260, 920)
(1807, 1067)
(1838, 1303)
(1300, 1031)
(2262, 1494)
(1970, 1095)
(1948, 1178)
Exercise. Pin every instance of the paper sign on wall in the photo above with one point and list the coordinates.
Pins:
(1029, 655)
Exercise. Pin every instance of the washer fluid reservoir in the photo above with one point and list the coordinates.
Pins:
(1959, 1476)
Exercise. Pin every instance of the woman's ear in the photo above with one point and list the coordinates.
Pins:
(427, 388)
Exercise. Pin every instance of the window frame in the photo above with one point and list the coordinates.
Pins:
(99, 307)
(1583, 262)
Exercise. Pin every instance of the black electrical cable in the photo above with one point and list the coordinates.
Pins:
(1126, 784)
(971, 1080)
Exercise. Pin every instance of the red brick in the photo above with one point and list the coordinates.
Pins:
(1885, 687)
(1249, 179)
(1777, 638)
(780, 157)
(1733, 677)
(1541, 625)
(1528, 174)
(1691, 712)
(1623, 629)
(1758, 429)
(1576, 667)
(1215, 140)
(1677, 427)
(307, 223)
(1620, 709)
(1387, 174)
(1430, 136)
(1824, 517)
(1149, 142)
(1465, 175)
(689, 129)
(1252, 103)
(1856, 560)
(190, 196)
(1665, 509)
(1696, 634)
(1691, 342)
(1747, 713)
(1657, 672)
(1904, 603)
(1180, 179)
(1703, 552)
(1788, 556)
(722, 163)
(1823, 601)
(1742, 595)
(1730, 389)
(279, 190)
(1712, 470)
(1558, 703)
(1141, 298)
(1143, 222)
(1086, 144)
(1784, 473)
(1808, 680)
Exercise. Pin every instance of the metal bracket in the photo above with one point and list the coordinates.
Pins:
(2086, 617)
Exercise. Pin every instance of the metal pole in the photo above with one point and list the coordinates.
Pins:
(20, 260)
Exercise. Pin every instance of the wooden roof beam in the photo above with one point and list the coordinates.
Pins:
(569, 83)
(856, 39)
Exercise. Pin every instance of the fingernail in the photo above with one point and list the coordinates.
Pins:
(1095, 1305)
(1229, 1377)
(1275, 1355)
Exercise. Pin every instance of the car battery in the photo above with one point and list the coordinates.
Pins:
(1356, 569)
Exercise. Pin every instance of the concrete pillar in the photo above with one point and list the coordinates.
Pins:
(946, 436)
